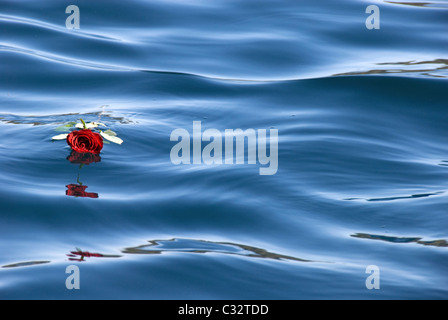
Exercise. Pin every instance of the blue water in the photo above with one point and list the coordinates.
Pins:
(362, 121)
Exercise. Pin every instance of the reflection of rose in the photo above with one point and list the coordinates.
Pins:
(85, 254)
(82, 254)
(78, 190)
(85, 140)
(83, 158)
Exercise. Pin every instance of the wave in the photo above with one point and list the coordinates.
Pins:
(178, 246)
(426, 4)
(434, 68)
(395, 239)
(63, 118)
(64, 59)
(56, 28)
(413, 196)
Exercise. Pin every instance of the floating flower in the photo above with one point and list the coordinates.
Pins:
(86, 140)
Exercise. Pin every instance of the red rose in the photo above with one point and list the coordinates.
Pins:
(85, 140)
(78, 190)
(83, 158)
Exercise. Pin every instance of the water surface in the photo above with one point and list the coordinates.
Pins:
(362, 164)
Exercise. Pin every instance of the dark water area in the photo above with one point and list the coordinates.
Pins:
(362, 120)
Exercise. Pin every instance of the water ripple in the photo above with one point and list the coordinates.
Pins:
(204, 246)
(110, 67)
(176, 245)
(63, 118)
(394, 239)
(63, 59)
(432, 4)
(53, 27)
(25, 264)
(413, 196)
(434, 68)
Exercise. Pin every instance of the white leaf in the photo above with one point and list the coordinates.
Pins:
(110, 132)
(88, 125)
(99, 124)
(62, 136)
(111, 138)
